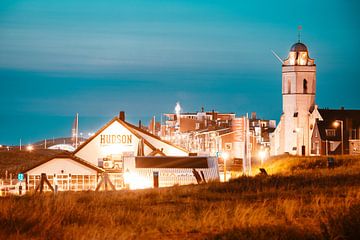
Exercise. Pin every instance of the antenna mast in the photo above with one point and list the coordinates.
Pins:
(299, 33)
(277, 56)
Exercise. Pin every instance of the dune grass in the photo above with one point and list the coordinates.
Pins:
(344, 164)
(16, 161)
(303, 200)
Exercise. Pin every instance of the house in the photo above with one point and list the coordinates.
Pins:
(336, 132)
(111, 155)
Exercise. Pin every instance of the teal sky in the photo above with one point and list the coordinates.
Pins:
(99, 57)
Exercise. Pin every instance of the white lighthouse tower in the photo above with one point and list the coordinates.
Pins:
(292, 135)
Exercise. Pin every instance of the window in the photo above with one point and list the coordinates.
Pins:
(289, 86)
(305, 85)
(330, 132)
(353, 134)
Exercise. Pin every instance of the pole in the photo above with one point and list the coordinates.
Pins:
(342, 137)
(76, 130)
(303, 137)
(45, 143)
(326, 147)
(303, 145)
(244, 158)
(20, 144)
(154, 125)
(224, 169)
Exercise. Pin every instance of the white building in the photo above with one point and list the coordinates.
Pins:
(111, 156)
(293, 133)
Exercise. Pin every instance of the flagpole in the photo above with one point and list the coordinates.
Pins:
(76, 130)
(154, 125)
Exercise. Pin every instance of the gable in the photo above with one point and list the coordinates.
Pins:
(113, 139)
(62, 165)
(316, 114)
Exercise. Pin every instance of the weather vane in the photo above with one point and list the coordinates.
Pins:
(299, 33)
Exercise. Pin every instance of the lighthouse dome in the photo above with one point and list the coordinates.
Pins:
(298, 47)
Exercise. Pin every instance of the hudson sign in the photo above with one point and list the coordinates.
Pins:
(116, 139)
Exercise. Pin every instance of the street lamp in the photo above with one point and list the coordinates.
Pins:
(262, 155)
(336, 124)
(225, 156)
(303, 144)
(29, 148)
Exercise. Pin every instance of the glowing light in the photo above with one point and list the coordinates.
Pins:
(29, 148)
(303, 58)
(262, 154)
(225, 156)
(336, 123)
(177, 108)
(292, 57)
(134, 181)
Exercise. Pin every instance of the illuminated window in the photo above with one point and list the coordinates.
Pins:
(302, 58)
(330, 132)
(292, 57)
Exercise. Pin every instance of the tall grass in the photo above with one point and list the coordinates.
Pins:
(15, 161)
(344, 164)
(301, 200)
(276, 207)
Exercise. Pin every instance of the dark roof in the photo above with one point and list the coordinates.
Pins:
(339, 114)
(70, 156)
(171, 162)
(329, 116)
(298, 47)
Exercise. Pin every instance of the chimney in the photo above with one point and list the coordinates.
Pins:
(253, 115)
(122, 115)
(139, 123)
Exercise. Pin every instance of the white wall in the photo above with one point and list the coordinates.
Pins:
(56, 165)
(95, 150)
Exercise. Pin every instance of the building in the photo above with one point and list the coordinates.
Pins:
(211, 133)
(113, 154)
(294, 131)
(260, 137)
(336, 132)
(65, 171)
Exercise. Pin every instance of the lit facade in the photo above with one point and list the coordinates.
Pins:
(293, 133)
(113, 152)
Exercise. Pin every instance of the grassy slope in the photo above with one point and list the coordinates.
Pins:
(17, 161)
(286, 165)
(303, 201)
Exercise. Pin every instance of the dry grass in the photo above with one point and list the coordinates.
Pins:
(15, 161)
(286, 165)
(299, 203)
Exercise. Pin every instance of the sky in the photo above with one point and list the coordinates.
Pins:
(96, 58)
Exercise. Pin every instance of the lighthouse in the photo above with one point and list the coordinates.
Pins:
(293, 134)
